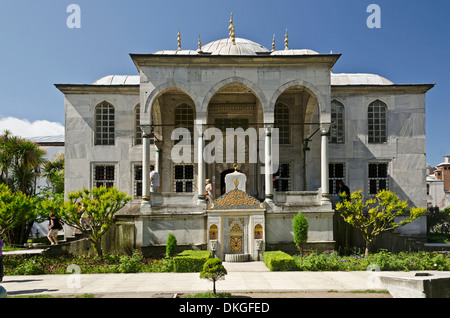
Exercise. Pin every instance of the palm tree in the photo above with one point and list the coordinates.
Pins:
(53, 170)
(28, 157)
(6, 155)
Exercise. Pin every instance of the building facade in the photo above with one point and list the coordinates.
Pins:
(438, 184)
(305, 129)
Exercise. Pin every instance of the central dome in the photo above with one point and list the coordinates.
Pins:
(240, 47)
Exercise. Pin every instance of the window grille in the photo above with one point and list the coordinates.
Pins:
(282, 123)
(336, 173)
(184, 118)
(183, 178)
(378, 177)
(104, 175)
(137, 181)
(337, 131)
(104, 124)
(282, 178)
(377, 122)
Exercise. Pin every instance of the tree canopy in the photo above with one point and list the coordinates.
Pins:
(99, 206)
(376, 215)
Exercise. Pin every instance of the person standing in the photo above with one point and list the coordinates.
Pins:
(54, 228)
(154, 179)
(208, 191)
(343, 190)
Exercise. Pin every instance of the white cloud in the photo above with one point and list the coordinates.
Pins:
(25, 128)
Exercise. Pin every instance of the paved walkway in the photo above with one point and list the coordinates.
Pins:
(242, 277)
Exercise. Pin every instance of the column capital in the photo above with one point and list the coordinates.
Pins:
(325, 129)
(147, 131)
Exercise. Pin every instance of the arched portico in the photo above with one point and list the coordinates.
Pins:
(301, 114)
(179, 108)
(234, 103)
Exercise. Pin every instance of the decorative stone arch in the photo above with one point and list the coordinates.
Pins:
(313, 90)
(324, 107)
(214, 89)
(161, 89)
(378, 100)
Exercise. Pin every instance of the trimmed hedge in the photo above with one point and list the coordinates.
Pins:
(279, 261)
(190, 261)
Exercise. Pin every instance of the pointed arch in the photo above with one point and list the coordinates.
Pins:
(215, 88)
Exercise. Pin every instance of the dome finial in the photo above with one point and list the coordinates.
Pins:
(286, 41)
(273, 43)
(199, 44)
(231, 28)
(179, 40)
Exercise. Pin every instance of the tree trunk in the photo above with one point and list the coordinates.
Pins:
(366, 252)
(214, 286)
(98, 247)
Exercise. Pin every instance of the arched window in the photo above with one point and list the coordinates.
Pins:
(137, 125)
(184, 118)
(337, 131)
(258, 231)
(104, 124)
(376, 114)
(282, 123)
(213, 232)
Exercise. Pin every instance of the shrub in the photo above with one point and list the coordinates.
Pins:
(300, 227)
(214, 271)
(131, 264)
(190, 261)
(30, 267)
(171, 246)
(279, 261)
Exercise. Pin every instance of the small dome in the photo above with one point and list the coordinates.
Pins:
(118, 80)
(241, 47)
(358, 79)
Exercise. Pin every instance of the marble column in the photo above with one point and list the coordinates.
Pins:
(324, 133)
(146, 163)
(200, 165)
(268, 163)
(157, 159)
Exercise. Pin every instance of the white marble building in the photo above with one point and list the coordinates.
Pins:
(119, 125)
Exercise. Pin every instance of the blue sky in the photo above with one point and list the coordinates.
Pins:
(38, 50)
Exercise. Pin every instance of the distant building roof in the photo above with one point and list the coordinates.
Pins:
(48, 140)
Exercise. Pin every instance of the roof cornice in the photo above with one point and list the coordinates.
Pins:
(230, 60)
(389, 89)
(98, 89)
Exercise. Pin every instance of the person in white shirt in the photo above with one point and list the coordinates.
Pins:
(208, 191)
(154, 179)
